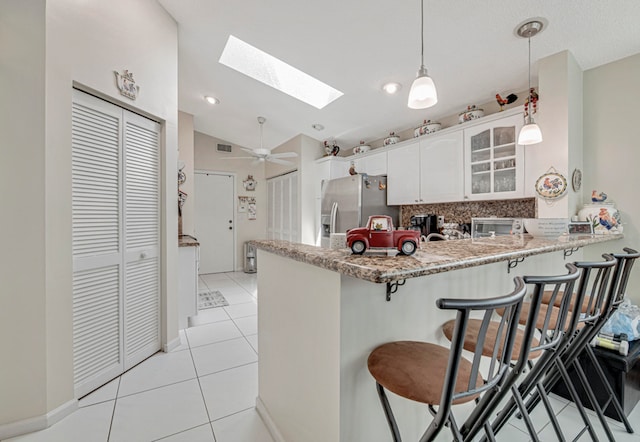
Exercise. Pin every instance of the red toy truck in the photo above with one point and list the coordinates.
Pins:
(379, 234)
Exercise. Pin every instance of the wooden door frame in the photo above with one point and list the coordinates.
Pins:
(234, 209)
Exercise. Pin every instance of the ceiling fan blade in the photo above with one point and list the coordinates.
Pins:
(246, 149)
(284, 155)
(237, 158)
(277, 161)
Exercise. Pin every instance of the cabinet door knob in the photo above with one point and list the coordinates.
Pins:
(143, 255)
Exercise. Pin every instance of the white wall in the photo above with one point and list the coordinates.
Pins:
(58, 44)
(23, 373)
(206, 157)
(611, 149)
(560, 119)
(185, 153)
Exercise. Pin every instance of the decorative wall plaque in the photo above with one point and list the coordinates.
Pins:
(127, 84)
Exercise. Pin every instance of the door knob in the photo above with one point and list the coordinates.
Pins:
(143, 255)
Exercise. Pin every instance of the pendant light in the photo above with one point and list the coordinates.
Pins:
(423, 91)
(530, 132)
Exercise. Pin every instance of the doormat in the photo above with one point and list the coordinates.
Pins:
(211, 299)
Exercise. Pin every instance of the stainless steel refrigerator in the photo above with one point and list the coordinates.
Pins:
(349, 202)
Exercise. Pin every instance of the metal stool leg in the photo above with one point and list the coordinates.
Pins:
(393, 426)
(605, 383)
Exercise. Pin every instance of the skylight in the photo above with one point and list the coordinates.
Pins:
(273, 72)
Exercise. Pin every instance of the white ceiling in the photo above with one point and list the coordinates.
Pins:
(471, 52)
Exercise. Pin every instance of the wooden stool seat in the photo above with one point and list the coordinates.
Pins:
(473, 331)
(542, 314)
(417, 370)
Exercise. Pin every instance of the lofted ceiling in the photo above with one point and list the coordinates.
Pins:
(471, 52)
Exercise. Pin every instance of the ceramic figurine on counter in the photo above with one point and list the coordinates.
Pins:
(603, 216)
(598, 197)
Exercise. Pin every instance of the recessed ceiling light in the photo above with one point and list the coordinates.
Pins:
(211, 100)
(317, 126)
(391, 88)
(273, 72)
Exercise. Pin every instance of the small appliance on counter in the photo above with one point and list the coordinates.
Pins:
(488, 227)
(425, 224)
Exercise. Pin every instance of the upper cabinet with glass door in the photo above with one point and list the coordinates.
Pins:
(494, 162)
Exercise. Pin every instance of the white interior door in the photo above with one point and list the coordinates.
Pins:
(116, 240)
(214, 221)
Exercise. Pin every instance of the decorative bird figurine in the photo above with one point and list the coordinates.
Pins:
(598, 197)
(508, 100)
(606, 219)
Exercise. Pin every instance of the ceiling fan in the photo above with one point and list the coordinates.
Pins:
(262, 154)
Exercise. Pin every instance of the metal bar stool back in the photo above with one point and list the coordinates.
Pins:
(542, 335)
(441, 377)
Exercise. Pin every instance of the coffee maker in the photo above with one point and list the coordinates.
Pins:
(425, 224)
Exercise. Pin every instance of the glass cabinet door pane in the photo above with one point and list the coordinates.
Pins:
(504, 135)
(481, 183)
(505, 151)
(481, 141)
(482, 167)
(504, 180)
(481, 155)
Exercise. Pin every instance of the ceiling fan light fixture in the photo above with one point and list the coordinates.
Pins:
(530, 132)
(423, 92)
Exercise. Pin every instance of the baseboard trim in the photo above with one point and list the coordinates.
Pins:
(268, 422)
(38, 423)
(172, 345)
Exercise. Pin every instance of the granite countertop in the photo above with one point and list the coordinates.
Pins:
(187, 241)
(432, 257)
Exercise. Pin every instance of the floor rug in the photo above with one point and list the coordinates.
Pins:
(211, 299)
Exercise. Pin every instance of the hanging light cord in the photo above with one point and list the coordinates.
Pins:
(422, 33)
(529, 91)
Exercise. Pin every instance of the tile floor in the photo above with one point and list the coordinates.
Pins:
(205, 390)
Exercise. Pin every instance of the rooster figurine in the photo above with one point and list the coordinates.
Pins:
(598, 197)
(508, 100)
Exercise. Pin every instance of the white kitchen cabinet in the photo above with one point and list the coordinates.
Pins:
(187, 283)
(494, 162)
(442, 168)
(403, 175)
(371, 164)
(427, 171)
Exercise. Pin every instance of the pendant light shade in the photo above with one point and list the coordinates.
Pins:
(423, 91)
(530, 132)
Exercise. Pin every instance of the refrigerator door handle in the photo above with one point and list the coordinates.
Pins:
(334, 215)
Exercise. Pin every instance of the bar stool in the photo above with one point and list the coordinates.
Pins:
(594, 277)
(594, 315)
(551, 324)
(439, 376)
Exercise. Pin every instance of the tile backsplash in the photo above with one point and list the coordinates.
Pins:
(462, 212)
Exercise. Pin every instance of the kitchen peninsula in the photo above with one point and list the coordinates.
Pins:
(322, 311)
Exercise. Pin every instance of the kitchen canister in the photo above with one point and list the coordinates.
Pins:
(472, 113)
(604, 217)
(391, 139)
(428, 127)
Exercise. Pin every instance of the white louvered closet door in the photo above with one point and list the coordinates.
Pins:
(142, 239)
(115, 223)
(96, 242)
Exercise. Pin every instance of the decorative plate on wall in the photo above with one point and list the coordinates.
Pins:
(551, 185)
(576, 180)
